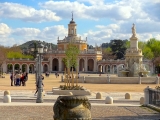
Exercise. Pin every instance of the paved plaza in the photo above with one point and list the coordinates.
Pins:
(24, 106)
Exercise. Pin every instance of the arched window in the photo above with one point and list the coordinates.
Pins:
(72, 31)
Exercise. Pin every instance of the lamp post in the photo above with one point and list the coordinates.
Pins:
(40, 50)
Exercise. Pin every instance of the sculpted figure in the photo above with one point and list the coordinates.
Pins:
(133, 30)
(143, 67)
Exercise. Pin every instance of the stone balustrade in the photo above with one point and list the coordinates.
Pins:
(117, 80)
(76, 41)
(111, 60)
(81, 52)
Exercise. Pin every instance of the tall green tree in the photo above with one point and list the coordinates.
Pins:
(154, 45)
(70, 60)
(107, 53)
(71, 53)
(118, 48)
(146, 50)
(17, 55)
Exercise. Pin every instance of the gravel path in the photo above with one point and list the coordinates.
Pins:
(98, 113)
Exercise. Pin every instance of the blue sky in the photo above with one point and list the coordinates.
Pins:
(98, 20)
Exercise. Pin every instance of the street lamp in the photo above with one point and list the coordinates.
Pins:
(40, 47)
(40, 50)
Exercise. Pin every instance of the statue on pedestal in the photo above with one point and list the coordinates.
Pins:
(133, 30)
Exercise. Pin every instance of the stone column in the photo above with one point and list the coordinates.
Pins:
(27, 68)
(20, 66)
(60, 64)
(78, 65)
(50, 64)
(111, 69)
(13, 68)
(146, 95)
(95, 65)
(85, 65)
(4, 67)
(103, 69)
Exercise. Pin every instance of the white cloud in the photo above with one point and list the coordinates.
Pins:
(7, 41)
(90, 12)
(48, 34)
(112, 27)
(26, 32)
(92, 2)
(122, 14)
(4, 29)
(25, 13)
(51, 34)
(116, 10)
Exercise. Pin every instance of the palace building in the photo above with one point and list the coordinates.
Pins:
(89, 60)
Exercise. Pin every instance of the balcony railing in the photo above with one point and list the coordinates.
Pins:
(154, 97)
(76, 41)
(81, 52)
(111, 60)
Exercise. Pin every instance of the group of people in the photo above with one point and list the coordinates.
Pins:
(18, 79)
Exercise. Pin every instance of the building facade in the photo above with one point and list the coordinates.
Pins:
(89, 60)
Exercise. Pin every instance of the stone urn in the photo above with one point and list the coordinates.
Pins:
(72, 108)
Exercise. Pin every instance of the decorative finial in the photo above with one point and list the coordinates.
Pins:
(58, 37)
(72, 15)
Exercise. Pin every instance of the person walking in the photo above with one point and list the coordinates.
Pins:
(11, 78)
(17, 76)
(22, 80)
(37, 85)
(56, 74)
(25, 78)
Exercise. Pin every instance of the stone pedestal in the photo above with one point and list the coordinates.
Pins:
(72, 108)
(98, 95)
(141, 100)
(146, 95)
(127, 96)
(58, 91)
(7, 99)
(109, 100)
(6, 92)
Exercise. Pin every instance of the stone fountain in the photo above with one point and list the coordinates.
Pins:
(134, 66)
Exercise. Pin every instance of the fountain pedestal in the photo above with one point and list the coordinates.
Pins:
(72, 108)
(124, 73)
(144, 73)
